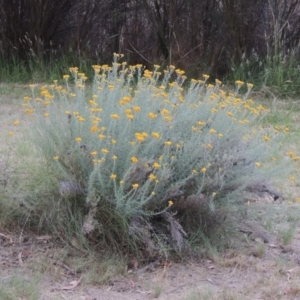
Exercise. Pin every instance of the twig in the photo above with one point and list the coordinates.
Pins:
(139, 53)
(64, 266)
(20, 237)
(148, 267)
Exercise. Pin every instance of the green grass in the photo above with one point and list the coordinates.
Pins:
(272, 76)
(40, 71)
(19, 287)
(288, 234)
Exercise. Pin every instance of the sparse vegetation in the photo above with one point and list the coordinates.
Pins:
(288, 234)
(18, 287)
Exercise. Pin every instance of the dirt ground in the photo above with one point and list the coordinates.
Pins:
(258, 269)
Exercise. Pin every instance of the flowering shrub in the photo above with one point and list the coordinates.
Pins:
(153, 162)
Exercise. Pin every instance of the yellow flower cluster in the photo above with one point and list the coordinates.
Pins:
(140, 119)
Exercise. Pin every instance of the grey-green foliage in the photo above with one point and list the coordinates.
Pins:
(155, 163)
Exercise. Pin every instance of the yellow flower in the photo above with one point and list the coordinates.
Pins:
(114, 157)
(239, 82)
(94, 128)
(46, 115)
(218, 82)
(66, 77)
(16, 123)
(56, 157)
(266, 138)
(136, 108)
(214, 194)
(130, 116)
(257, 164)
(11, 133)
(156, 135)
(296, 158)
(292, 178)
(168, 143)
(141, 136)
(209, 146)
(212, 131)
(194, 171)
(94, 153)
(134, 159)
(78, 139)
(203, 170)
(93, 102)
(81, 119)
(152, 115)
(126, 99)
(156, 165)
(135, 185)
(152, 177)
(114, 116)
(249, 86)
(170, 203)
(29, 111)
(93, 110)
(285, 129)
(121, 181)
(291, 154)
(168, 118)
(165, 112)
(113, 176)
(104, 150)
(205, 76)
(113, 141)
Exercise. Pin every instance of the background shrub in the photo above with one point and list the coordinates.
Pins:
(218, 36)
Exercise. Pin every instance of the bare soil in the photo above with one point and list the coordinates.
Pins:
(254, 270)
